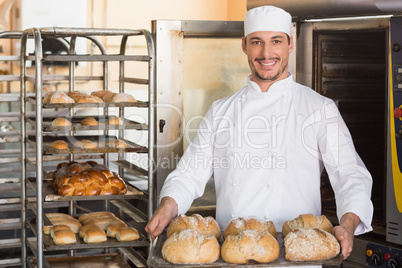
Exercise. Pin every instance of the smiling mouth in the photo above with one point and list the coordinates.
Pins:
(267, 62)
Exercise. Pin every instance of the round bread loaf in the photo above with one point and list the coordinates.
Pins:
(127, 234)
(89, 99)
(61, 122)
(86, 144)
(108, 97)
(100, 93)
(59, 144)
(60, 97)
(117, 143)
(250, 245)
(307, 244)
(114, 120)
(204, 226)
(238, 225)
(188, 246)
(89, 121)
(307, 221)
(123, 97)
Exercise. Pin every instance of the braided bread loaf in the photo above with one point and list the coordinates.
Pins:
(86, 179)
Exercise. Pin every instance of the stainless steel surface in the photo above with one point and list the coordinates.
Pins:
(331, 8)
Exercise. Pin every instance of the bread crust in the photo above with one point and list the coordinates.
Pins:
(188, 246)
(204, 226)
(61, 122)
(64, 237)
(307, 221)
(59, 145)
(86, 144)
(250, 245)
(240, 224)
(123, 97)
(89, 121)
(307, 244)
(127, 234)
(95, 236)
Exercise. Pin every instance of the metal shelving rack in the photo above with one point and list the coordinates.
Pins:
(39, 243)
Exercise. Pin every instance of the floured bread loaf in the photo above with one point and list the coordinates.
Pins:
(188, 246)
(250, 245)
(204, 226)
(309, 244)
(307, 221)
(238, 225)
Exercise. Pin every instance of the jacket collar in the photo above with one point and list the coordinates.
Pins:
(279, 87)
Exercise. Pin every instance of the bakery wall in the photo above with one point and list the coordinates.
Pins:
(130, 14)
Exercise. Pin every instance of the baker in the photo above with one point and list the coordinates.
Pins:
(267, 145)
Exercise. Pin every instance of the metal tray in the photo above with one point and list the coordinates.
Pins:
(76, 124)
(99, 261)
(100, 140)
(80, 244)
(157, 261)
(50, 195)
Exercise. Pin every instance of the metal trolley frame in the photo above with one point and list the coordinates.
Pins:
(37, 244)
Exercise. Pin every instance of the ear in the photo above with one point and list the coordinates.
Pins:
(243, 45)
(291, 45)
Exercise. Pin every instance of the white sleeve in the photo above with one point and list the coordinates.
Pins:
(187, 182)
(349, 177)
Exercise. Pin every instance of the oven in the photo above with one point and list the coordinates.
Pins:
(350, 52)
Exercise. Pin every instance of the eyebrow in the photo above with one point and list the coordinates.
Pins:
(273, 37)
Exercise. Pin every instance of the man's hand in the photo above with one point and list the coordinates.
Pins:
(345, 232)
(166, 211)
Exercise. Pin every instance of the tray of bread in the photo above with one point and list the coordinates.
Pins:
(99, 98)
(86, 144)
(100, 229)
(95, 122)
(195, 241)
(85, 181)
(99, 261)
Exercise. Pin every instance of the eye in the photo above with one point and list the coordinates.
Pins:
(277, 41)
(256, 42)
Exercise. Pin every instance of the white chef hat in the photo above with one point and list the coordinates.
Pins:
(267, 18)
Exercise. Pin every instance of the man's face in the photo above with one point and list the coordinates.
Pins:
(268, 55)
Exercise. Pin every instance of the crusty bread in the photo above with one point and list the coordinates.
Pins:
(204, 226)
(127, 234)
(307, 221)
(86, 144)
(114, 120)
(74, 225)
(94, 214)
(307, 244)
(58, 228)
(114, 227)
(59, 144)
(89, 121)
(95, 236)
(89, 99)
(188, 246)
(63, 237)
(100, 93)
(240, 224)
(108, 97)
(61, 122)
(47, 97)
(85, 228)
(123, 97)
(60, 97)
(250, 245)
(117, 143)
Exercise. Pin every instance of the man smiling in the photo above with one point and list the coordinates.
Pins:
(271, 118)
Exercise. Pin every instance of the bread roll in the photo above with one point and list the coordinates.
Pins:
(100, 93)
(108, 97)
(307, 221)
(89, 121)
(123, 97)
(64, 237)
(87, 227)
(238, 225)
(60, 97)
(94, 214)
(117, 143)
(204, 226)
(74, 225)
(86, 144)
(95, 236)
(250, 245)
(114, 120)
(307, 244)
(59, 144)
(114, 227)
(127, 234)
(61, 122)
(188, 246)
(58, 228)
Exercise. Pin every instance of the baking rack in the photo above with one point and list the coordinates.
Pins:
(44, 133)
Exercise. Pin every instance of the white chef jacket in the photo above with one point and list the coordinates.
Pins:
(266, 151)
